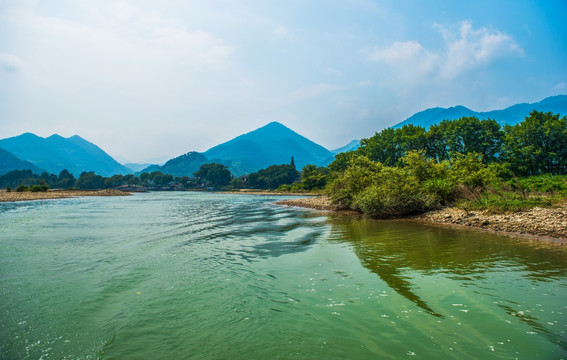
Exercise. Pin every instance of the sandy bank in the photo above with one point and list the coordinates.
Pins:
(550, 223)
(56, 194)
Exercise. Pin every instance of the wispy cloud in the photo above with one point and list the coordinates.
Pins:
(465, 49)
(470, 48)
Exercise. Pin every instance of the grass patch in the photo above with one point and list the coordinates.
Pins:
(506, 202)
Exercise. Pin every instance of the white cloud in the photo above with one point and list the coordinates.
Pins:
(465, 49)
(469, 48)
(11, 63)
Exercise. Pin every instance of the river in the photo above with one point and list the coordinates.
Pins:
(181, 275)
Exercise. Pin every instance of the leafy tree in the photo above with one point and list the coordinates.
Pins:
(273, 177)
(90, 180)
(465, 135)
(213, 174)
(65, 180)
(390, 145)
(537, 144)
(314, 177)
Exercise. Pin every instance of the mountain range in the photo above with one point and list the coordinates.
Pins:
(511, 115)
(272, 144)
(56, 153)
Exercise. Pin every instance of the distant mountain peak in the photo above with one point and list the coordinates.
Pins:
(271, 144)
(510, 115)
(56, 153)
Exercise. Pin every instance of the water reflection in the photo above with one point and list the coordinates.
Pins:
(395, 251)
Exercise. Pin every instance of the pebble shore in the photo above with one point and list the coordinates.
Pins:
(548, 223)
(56, 194)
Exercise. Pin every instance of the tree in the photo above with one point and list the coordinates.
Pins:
(537, 144)
(213, 174)
(65, 179)
(465, 135)
(90, 180)
(314, 177)
(273, 177)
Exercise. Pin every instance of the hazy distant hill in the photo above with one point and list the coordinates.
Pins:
(353, 145)
(273, 144)
(137, 167)
(184, 165)
(9, 162)
(511, 115)
(56, 153)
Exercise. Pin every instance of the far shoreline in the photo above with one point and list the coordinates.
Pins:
(542, 224)
(15, 196)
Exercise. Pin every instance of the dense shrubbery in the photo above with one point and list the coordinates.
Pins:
(417, 185)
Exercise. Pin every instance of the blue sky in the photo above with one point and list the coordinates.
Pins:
(155, 79)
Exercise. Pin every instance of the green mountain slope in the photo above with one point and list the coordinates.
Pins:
(56, 153)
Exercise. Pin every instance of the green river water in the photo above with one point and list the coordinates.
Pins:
(210, 276)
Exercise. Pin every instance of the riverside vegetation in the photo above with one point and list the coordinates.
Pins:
(469, 163)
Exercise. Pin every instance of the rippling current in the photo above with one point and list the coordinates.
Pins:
(211, 276)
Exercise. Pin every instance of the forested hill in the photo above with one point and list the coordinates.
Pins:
(511, 115)
(271, 144)
(56, 153)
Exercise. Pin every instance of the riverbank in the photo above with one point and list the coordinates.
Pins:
(56, 194)
(538, 222)
(267, 192)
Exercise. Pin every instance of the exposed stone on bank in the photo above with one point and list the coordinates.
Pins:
(541, 222)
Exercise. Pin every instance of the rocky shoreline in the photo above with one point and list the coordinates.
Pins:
(540, 223)
(56, 194)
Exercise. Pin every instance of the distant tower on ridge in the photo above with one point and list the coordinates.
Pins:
(292, 162)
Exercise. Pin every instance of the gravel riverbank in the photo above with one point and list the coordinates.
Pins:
(56, 194)
(548, 223)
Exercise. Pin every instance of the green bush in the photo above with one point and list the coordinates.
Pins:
(39, 188)
(22, 188)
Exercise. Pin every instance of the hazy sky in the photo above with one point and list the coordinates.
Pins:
(148, 79)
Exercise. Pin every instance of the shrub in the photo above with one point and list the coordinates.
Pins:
(22, 188)
(8, 189)
(39, 188)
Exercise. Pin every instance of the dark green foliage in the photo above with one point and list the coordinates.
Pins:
(214, 174)
(417, 185)
(22, 188)
(390, 145)
(39, 188)
(537, 145)
(313, 177)
(65, 180)
(90, 181)
(465, 135)
(273, 177)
